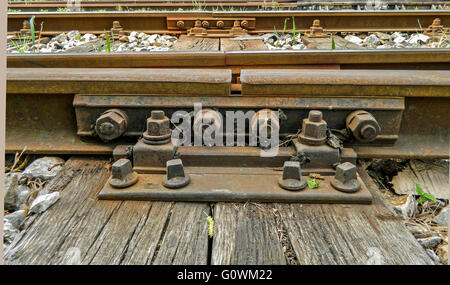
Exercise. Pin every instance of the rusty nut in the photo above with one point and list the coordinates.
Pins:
(363, 125)
(244, 24)
(180, 24)
(314, 129)
(205, 24)
(158, 128)
(220, 24)
(111, 124)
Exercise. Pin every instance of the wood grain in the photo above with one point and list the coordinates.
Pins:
(106, 232)
(230, 44)
(186, 43)
(432, 176)
(245, 234)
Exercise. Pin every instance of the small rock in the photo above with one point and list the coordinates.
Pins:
(431, 242)
(442, 218)
(406, 208)
(418, 39)
(15, 218)
(11, 193)
(60, 38)
(152, 39)
(399, 39)
(45, 40)
(73, 35)
(442, 252)
(89, 37)
(353, 39)
(42, 203)
(299, 46)
(372, 40)
(9, 232)
(133, 34)
(433, 256)
(123, 39)
(22, 195)
(383, 36)
(132, 39)
(141, 35)
(40, 168)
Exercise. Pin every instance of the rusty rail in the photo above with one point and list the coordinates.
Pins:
(411, 106)
(267, 21)
(343, 59)
(223, 5)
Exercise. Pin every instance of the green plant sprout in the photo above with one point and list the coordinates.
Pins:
(22, 45)
(33, 32)
(312, 183)
(424, 196)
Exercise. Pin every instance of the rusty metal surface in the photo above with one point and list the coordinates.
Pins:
(110, 81)
(35, 120)
(411, 83)
(387, 59)
(155, 22)
(237, 186)
(176, 4)
(387, 110)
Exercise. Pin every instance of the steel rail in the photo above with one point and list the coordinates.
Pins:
(267, 21)
(176, 4)
(344, 59)
(40, 103)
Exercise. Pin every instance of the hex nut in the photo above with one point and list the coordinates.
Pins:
(176, 177)
(363, 125)
(345, 178)
(122, 174)
(111, 124)
(292, 176)
(158, 128)
(314, 129)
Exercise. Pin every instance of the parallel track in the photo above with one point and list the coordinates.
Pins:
(226, 5)
(157, 22)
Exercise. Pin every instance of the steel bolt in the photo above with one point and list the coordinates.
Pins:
(205, 24)
(363, 125)
(176, 177)
(122, 174)
(111, 124)
(314, 129)
(315, 116)
(207, 119)
(180, 24)
(158, 128)
(244, 24)
(292, 176)
(345, 179)
(220, 24)
(116, 25)
(263, 122)
(26, 25)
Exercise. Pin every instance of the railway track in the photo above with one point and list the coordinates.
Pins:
(52, 6)
(257, 22)
(374, 103)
